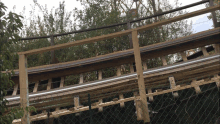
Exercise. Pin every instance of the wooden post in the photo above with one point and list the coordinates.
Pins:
(122, 104)
(138, 107)
(62, 82)
(141, 84)
(36, 86)
(173, 85)
(183, 56)
(214, 19)
(151, 98)
(15, 90)
(49, 84)
(100, 100)
(81, 79)
(164, 60)
(204, 51)
(24, 94)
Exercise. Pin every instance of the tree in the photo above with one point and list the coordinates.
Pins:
(10, 24)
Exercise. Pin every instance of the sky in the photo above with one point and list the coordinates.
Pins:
(199, 23)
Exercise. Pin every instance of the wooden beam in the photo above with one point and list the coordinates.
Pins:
(173, 86)
(178, 18)
(214, 19)
(24, 94)
(141, 84)
(15, 89)
(138, 106)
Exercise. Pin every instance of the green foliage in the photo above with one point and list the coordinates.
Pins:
(10, 24)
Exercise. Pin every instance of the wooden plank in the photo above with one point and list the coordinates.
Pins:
(36, 86)
(81, 79)
(204, 51)
(131, 67)
(164, 60)
(100, 100)
(183, 56)
(217, 48)
(15, 89)
(62, 82)
(173, 86)
(178, 18)
(141, 84)
(24, 94)
(49, 84)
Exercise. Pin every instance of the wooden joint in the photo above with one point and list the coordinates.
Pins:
(204, 51)
(121, 97)
(173, 86)
(195, 84)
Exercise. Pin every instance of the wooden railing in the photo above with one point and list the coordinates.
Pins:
(23, 77)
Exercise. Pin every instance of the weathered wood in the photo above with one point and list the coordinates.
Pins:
(141, 84)
(131, 68)
(15, 89)
(204, 51)
(24, 94)
(122, 104)
(49, 84)
(217, 81)
(100, 100)
(151, 98)
(117, 34)
(214, 19)
(81, 79)
(173, 86)
(36, 86)
(164, 60)
(195, 84)
(145, 65)
(138, 107)
(62, 82)
(183, 56)
(217, 48)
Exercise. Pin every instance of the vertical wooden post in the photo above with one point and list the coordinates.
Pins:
(100, 78)
(214, 19)
(164, 60)
(183, 56)
(172, 86)
(122, 104)
(141, 84)
(23, 81)
(204, 51)
(15, 90)
(81, 79)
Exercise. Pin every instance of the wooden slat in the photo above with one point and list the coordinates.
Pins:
(100, 100)
(62, 82)
(36, 86)
(80, 78)
(49, 84)
(173, 86)
(204, 51)
(141, 84)
(164, 60)
(15, 89)
(183, 56)
(23, 81)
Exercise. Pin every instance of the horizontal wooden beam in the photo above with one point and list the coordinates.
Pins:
(118, 34)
